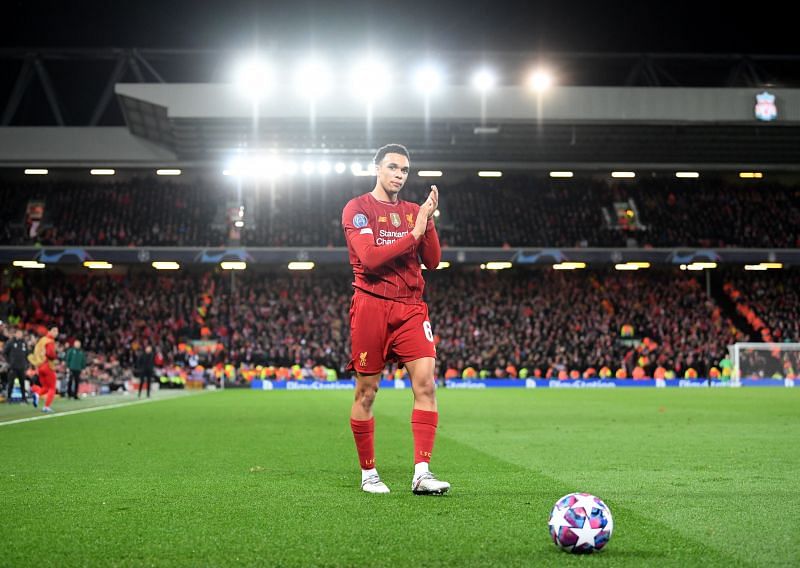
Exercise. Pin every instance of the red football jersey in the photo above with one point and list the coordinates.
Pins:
(384, 254)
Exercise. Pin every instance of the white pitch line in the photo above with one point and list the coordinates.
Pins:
(94, 409)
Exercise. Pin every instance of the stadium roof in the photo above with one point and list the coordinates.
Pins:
(611, 110)
(568, 126)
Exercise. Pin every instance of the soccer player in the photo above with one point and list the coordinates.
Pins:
(44, 359)
(386, 237)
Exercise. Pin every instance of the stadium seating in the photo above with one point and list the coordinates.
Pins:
(547, 322)
(770, 302)
(517, 210)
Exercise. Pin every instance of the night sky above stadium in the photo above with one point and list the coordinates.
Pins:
(490, 25)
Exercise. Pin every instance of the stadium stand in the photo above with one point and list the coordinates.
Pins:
(770, 302)
(550, 323)
(515, 211)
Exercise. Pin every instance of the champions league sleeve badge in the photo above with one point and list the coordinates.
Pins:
(360, 220)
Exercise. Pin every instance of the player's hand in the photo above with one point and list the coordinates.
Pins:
(434, 198)
(421, 223)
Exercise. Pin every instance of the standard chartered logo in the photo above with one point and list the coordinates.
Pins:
(388, 237)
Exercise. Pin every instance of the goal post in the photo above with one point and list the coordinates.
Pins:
(764, 360)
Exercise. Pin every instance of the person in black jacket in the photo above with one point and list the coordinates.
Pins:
(145, 366)
(16, 353)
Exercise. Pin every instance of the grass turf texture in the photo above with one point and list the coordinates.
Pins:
(693, 477)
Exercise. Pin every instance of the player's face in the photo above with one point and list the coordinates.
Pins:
(393, 173)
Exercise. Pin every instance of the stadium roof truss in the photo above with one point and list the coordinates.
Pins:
(660, 110)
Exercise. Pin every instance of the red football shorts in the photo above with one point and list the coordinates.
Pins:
(384, 330)
(47, 376)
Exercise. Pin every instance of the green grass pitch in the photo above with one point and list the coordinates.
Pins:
(693, 477)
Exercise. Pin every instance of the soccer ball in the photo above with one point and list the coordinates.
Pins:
(580, 523)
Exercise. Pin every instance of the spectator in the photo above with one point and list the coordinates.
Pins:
(145, 368)
(76, 362)
(16, 353)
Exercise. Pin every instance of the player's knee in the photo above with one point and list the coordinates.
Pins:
(365, 396)
(425, 390)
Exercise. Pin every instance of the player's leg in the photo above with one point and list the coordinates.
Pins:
(47, 378)
(424, 420)
(412, 342)
(368, 333)
(35, 393)
(362, 423)
(37, 390)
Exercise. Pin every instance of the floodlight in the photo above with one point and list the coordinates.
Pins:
(428, 80)
(312, 80)
(370, 79)
(540, 80)
(253, 78)
(484, 80)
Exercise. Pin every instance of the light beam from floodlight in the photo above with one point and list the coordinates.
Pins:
(312, 80)
(290, 167)
(428, 80)
(540, 80)
(253, 78)
(484, 80)
(369, 79)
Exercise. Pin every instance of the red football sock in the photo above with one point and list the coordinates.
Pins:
(364, 434)
(423, 425)
(51, 394)
(47, 379)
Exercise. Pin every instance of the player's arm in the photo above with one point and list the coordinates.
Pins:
(363, 241)
(430, 251)
(429, 248)
(50, 350)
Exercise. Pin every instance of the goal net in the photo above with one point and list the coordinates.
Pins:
(765, 360)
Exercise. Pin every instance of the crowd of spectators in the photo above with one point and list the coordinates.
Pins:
(715, 215)
(546, 322)
(770, 301)
(516, 210)
(568, 323)
(134, 212)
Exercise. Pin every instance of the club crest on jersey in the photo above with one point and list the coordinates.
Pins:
(395, 218)
(360, 220)
(410, 220)
(381, 219)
